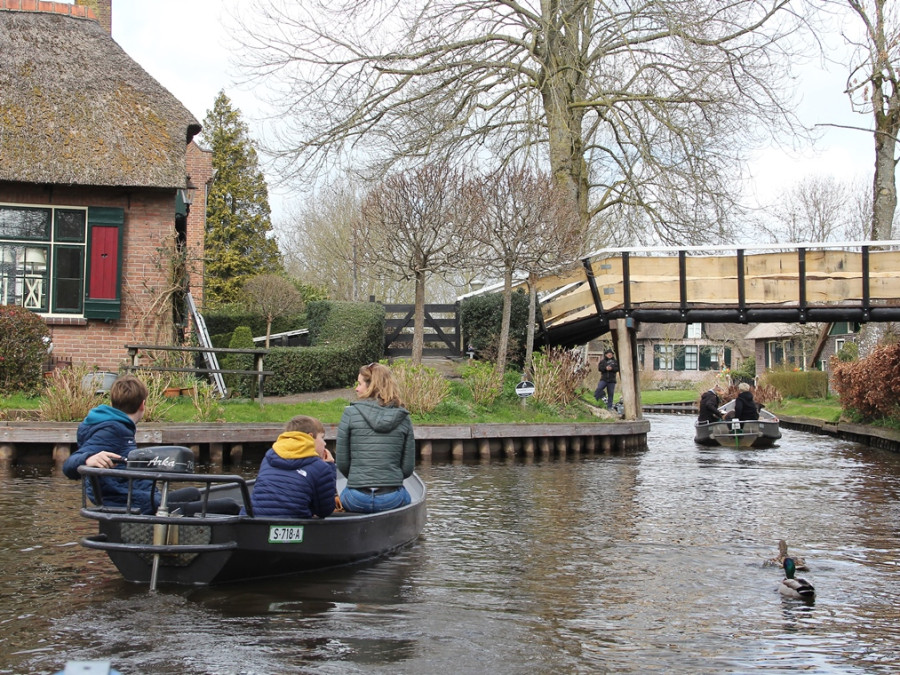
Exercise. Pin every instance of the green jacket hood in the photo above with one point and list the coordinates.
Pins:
(380, 418)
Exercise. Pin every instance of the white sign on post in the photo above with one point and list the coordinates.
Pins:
(525, 389)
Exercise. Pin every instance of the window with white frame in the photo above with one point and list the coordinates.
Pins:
(694, 331)
(691, 357)
(664, 357)
(45, 263)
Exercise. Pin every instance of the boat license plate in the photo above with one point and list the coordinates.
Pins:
(280, 534)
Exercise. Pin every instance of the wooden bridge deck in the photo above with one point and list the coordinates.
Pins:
(857, 281)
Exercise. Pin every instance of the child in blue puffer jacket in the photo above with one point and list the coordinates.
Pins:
(297, 477)
(105, 438)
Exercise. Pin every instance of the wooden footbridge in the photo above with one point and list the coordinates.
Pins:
(612, 290)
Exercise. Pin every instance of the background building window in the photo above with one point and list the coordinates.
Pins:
(691, 360)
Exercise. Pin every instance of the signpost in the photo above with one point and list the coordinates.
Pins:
(524, 389)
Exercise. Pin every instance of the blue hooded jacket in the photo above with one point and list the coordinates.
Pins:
(293, 481)
(110, 429)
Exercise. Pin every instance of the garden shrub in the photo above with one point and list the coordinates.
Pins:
(870, 386)
(481, 317)
(422, 388)
(558, 374)
(483, 381)
(24, 338)
(65, 399)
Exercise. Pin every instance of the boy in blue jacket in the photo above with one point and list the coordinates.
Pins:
(297, 477)
(105, 438)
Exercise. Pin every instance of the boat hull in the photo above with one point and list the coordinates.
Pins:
(761, 433)
(219, 549)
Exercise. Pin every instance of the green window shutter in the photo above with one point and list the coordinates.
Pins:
(655, 357)
(728, 357)
(705, 360)
(679, 357)
(104, 263)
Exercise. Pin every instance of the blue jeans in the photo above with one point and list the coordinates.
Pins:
(610, 390)
(366, 501)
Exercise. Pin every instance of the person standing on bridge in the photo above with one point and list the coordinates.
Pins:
(608, 368)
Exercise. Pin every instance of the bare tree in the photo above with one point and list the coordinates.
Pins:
(273, 296)
(813, 209)
(873, 88)
(416, 224)
(635, 106)
(528, 226)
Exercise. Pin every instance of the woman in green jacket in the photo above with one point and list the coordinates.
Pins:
(375, 446)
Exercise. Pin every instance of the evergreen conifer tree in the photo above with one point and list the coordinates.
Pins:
(238, 218)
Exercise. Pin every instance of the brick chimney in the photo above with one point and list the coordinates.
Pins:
(102, 10)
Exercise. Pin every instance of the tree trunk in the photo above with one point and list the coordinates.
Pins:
(884, 196)
(532, 319)
(503, 345)
(563, 81)
(419, 319)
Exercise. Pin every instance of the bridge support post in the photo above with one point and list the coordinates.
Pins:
(626, 339)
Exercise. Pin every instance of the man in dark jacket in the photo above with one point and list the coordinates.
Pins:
(297, 477)
(709, 405)
(608, 368)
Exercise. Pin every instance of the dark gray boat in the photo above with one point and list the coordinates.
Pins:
(212, 548)
(761, 433)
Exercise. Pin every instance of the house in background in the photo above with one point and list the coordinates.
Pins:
(94, 163)
(801, 346)
(672, 354)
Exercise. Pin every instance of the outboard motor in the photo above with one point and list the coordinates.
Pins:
(168, 458)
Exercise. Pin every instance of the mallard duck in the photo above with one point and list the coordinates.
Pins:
(778, 561)
(795, 588)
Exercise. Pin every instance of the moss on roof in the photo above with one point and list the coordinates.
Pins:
(76, 109)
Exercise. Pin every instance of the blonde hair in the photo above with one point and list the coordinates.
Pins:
(381, 385)
(306, 425)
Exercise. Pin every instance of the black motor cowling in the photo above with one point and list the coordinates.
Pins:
(169, 458)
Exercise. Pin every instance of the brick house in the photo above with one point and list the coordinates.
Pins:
(95, 161)
(677, 354)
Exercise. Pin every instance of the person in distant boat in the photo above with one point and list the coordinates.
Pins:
(105, 438)
(709, 405)
(608, 368)
(375, 447)
(297, 477)
(745, 407)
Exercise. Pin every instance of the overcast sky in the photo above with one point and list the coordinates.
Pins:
(185, 46)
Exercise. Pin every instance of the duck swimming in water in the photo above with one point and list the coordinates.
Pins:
(795, 588)
(778, 561)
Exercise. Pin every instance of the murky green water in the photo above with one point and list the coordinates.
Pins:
(650, 562)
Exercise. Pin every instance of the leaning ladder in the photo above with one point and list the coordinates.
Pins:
(212, 363)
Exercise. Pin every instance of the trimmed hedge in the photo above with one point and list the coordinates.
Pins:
(343, 336)
(481, 317)
(222, 322)
(798, 384)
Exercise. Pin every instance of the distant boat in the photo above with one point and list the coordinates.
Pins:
(213, 548)
(761, 433)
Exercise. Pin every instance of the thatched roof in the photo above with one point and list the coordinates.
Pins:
(76, 109)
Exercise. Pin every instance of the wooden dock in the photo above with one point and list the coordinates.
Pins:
(221, 444)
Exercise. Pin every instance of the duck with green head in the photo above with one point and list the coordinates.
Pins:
(792, 587)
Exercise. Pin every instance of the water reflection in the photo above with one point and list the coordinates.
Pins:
(644, 562)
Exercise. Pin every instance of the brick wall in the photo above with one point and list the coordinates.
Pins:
(148, 234)
(78, 11)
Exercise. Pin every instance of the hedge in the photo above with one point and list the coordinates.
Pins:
(798, 384)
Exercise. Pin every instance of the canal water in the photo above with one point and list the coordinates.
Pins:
(650, 562)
